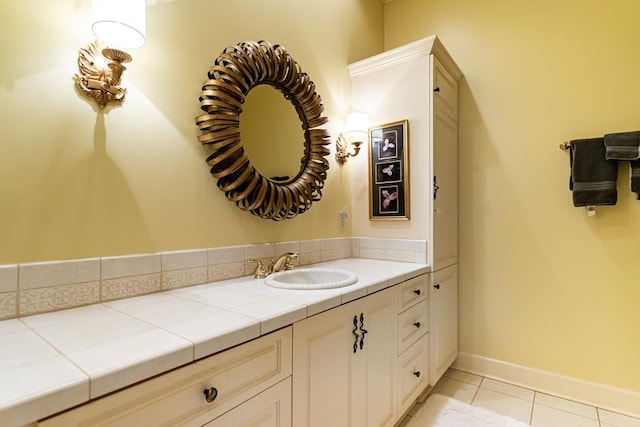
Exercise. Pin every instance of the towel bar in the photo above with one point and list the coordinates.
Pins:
(565, 146)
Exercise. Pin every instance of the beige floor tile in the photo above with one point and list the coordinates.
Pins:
(545, 416)
(504, 404)
(509, 389)
(465, 377)
(609, 419)
(456, 389)
(566, 405)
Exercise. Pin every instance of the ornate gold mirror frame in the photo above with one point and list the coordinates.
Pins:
(235, 72)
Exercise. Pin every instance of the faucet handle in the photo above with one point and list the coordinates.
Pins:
(260, 272)
(288, 264)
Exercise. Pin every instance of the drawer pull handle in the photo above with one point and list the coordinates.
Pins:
(210, 394)
(437, 286)
(417, 291)
(417, 374)
(436, 89)
(362, 330)
(355, 333)
(416, 324)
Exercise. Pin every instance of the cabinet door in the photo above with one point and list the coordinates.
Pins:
(322, 355)
(445, 202)
(340, 379)
(444, 320)
(271, 408)
(380, 319)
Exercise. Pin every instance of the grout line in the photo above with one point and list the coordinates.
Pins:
(477, 391)
(533, 406)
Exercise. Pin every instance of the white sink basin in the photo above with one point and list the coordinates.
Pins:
(311, 278)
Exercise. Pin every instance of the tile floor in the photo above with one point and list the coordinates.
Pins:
(531, 407)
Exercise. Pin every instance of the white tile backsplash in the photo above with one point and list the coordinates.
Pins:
(266, 250)
(371, 243)
(180, 260)
(8, 278)
(283, 247)
(45, 274)
(311, 245)
(400, 245)
(226, 255)
(130, 265)
(31, 288)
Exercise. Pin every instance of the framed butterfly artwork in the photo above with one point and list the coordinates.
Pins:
(389, 171)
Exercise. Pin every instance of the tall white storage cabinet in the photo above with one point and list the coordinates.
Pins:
(418, 82)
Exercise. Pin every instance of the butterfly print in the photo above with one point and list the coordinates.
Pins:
(388, 170)
(388, 198)
(387, 144)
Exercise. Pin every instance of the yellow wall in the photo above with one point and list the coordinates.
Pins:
(541, 284)
(77, 182)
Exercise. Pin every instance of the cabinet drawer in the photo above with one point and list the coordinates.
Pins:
(177, 397)
(412, 324)
(271, 408)
(413, 373)
(412, 292)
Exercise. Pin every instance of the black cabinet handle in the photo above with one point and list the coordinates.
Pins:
(416, 324)
(417, 374)
(210, 394)
(417, 291)
(437, 286)
(436, 89)
(355, 333)
(364, 331)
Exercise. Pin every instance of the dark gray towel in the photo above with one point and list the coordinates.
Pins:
(593, 178)
(622, 145)
(635, 177)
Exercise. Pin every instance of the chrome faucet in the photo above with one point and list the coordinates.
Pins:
(283, 262)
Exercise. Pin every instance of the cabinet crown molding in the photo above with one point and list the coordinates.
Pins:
(423, 47)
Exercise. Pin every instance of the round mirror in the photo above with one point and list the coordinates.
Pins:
(271, 134)
(236, 72)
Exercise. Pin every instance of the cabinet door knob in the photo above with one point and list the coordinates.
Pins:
(417, 374)
(210, 394)
(437, 286)
(436, 89)
(417, 291)
(416, 324)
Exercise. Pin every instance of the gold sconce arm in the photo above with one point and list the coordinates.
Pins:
(101, 73)
(356, 129)
(342, 149)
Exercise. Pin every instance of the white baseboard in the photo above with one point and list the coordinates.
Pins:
(603, 396)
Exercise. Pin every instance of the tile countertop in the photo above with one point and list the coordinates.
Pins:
(54, 361)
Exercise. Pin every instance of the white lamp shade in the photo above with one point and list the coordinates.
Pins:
(357, 123)
(120, 23)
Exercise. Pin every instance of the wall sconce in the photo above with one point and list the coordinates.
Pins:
(117, 24)
(356, 133)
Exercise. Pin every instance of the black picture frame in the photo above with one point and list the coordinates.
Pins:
(389, 171)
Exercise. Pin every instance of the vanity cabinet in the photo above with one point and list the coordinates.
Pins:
(344, 364)
(444, 320)
(247, 385)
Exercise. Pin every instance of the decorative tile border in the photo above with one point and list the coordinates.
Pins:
(32, 288)
(126, 287)
(52, 298)
(8, 305)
